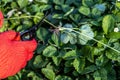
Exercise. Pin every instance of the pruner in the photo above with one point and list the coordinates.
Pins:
(30, 33)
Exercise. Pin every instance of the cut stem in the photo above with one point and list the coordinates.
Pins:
(60, 28)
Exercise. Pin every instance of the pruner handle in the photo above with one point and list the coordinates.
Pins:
(30, 33)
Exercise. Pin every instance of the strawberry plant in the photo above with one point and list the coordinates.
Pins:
(78, 40)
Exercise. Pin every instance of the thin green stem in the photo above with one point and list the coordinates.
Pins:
(98, 41)
(50, 23)
(22, 17)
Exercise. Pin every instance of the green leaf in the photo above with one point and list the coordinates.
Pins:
(31, 74)
(59, 2)
(12, 78)
(88, 53)
(79, 64)
(100, 74)
(50, 51)
(69, 28)
(42, 34)
(58, 16)
(37, 19)
(117, 17)
(117, 4)
(73, 38)
(96, 13)
(67, 69)
(14, 5)
(70, 55)
(95, 23)
(100, 7)
(37, 78)
(98, 51)
(114, 55)
(56, 60)
(114, 35)
(27, 23)
(34, 8)
(86, 30)
(40, 48)
(57, 7)
(44, 7)
(59, 77)
(75, 17)
(22, 3)
(84, 10)
(68, 63)
(75, 73)
(68, 2)
(97, 76)
(85, 35)
(108, 24)
(39, 62)
(67, 9)
(48, 73)
(42, 1)
(65, 37)
(112, 75)
(89, 69)
(69, 12)
(81, 40)
(88, 3)
(101, 61)
(55, 38)
(6, 1)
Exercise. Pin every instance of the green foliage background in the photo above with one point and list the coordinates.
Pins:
(77, 40)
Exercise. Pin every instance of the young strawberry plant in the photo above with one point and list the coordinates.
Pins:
(77, 40)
